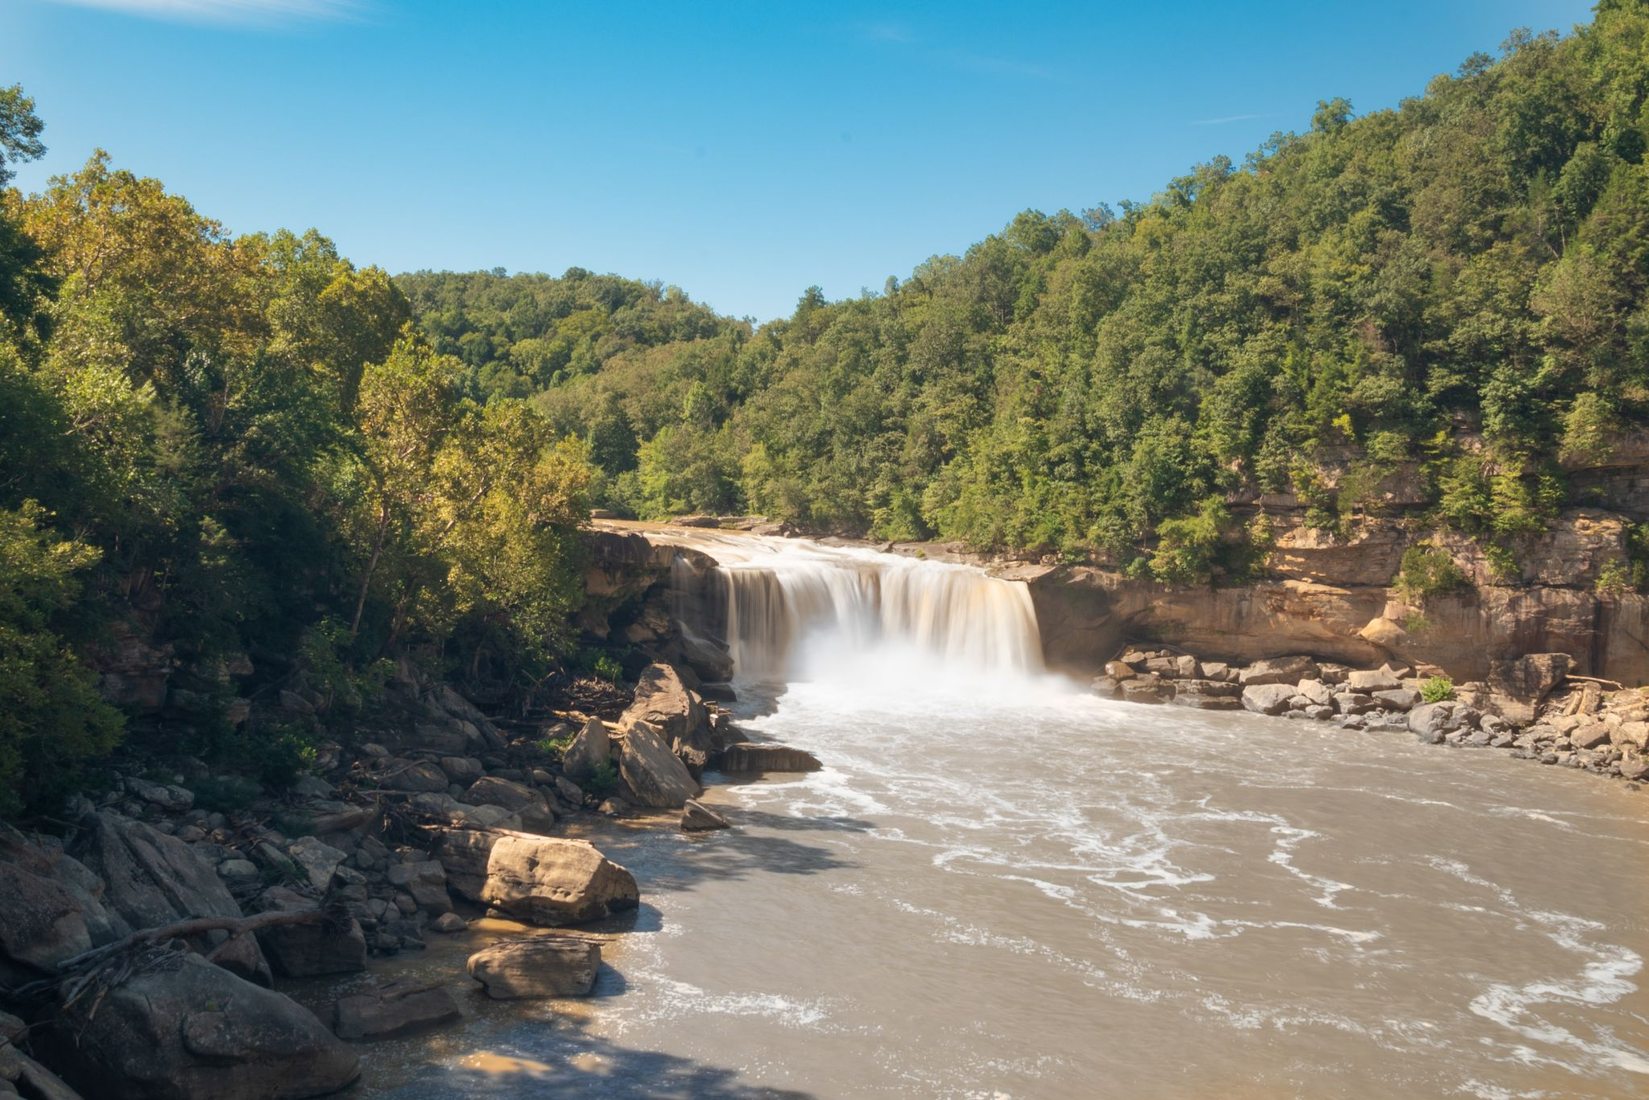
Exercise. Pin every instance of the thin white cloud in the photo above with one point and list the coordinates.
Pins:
(231, 12)
(1223, 119)
(886, 32)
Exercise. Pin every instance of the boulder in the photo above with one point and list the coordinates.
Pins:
(537, 966)
(1207, 695)
(1521, 684)
(1316, 692)
(664, 703)
(1369, 682)
(1431, 722)
(590, 748)
(766, 756)
(542, 880)
(1119, 671)
(193, 1031)
(448, 923)
(1278, 670)
(166, 796)
(462, 769)
(1269, 698)
(697, 817)
(1149, 690)
(397, 1008)
(22, 1075)
(412, 775)
(1400, 699)
(150, 878)
(309, 950)
(655, 775)
(318, 860)
(1353, 702)
(1589, 735)
(426, 881)
(708, 660)
(529, 805)
(1631, 733)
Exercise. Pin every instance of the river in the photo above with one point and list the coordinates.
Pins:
(1000, 886)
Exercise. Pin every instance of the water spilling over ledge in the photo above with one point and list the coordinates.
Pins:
(802, 610)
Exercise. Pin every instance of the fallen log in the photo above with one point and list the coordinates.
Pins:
(235, 926)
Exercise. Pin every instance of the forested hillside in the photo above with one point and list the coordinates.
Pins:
(253, 452)
(1447, 297)
(237, 448)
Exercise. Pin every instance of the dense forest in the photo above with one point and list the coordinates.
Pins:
(241, 447)
(254, 450)
(1450, 294)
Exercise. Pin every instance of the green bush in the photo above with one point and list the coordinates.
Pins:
(603, 780)
(1437, 689)
(1428, 571)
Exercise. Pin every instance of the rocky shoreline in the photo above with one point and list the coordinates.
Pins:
(143, 950)
(1536, 710)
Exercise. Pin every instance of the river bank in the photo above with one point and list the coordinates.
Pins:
(389, 869)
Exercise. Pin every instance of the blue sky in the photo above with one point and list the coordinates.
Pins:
(742, 151)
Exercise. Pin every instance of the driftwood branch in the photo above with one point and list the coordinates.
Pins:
(1612, 685)
(235, 926)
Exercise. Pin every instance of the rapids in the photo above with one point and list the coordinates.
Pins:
(1001, 886)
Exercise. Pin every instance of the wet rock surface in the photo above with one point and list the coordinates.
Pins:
(537, 967)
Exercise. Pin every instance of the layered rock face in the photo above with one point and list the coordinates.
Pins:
(1334, 598)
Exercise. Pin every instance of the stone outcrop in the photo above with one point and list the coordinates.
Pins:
(590, 748)
(537, 966)
(150, 878)
(51, 909)
(668, 707)
(188, 1030)
(654, 774)
(546, 881)
(1332, 598)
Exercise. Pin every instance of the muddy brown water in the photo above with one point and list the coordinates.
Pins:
(1064, 897)
(1003, 887)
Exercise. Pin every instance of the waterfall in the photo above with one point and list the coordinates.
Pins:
(801, 609)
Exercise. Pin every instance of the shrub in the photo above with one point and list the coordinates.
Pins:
(1437, 689)
(1428, 571)
(1614, 578)
(603, 780)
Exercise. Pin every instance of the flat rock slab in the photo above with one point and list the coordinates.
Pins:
(760, 756)
(399, 1008)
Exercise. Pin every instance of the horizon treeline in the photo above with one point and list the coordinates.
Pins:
(1449, 294)
(247, 448)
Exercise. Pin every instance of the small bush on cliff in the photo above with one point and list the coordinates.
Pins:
(1197, 549)
(1437, 689)
(1428, 571)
